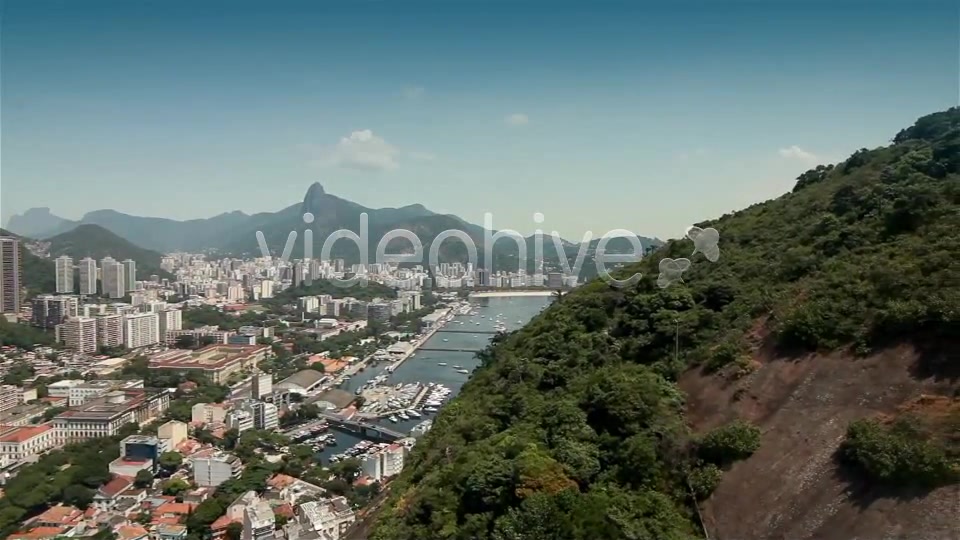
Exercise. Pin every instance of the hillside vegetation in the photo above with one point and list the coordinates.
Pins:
(575, 428)
(97, 242)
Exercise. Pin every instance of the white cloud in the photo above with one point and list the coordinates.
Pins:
(422, 156)
(517, 119)
(413, 92)
(361, 150)
(795, 152)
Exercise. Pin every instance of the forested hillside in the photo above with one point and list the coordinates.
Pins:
(576, 428)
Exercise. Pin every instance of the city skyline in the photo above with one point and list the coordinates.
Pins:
(583, 114)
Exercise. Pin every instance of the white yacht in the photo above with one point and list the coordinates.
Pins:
(413, 414)
(393, 419)
(441, 363)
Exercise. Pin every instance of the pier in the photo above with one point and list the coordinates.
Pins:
(442, 349)
(445, 331)
(364, 429)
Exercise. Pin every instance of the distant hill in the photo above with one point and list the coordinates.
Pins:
(37, 223)
(235, 233)
(804, 385)
(97, 242)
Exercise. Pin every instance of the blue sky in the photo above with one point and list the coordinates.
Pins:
(601, 115)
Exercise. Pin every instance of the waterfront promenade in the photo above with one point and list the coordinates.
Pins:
(507, 293)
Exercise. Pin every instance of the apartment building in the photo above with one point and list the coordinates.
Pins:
(141, 330)
(262, 385)
(211, 471)
(384, 464)
(10, 397)
(265, 415)
(208, 413)
(170, 320)
(330, 517)
(112, 280)
(258, 522)
(50, 310)
(23, 442)
(217, 362)
(130, 275)
(109, 330)
(11, 275)
(104, 416)
(78, 334)
(240, 420)
(87, 269)
(63, 266)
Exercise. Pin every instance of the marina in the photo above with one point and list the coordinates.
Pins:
(424, 383)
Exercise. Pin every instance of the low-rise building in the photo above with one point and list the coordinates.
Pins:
(23, 442)
(331, 517)
(104, 416)
(217, 362)
(211, 471)
(78, 394)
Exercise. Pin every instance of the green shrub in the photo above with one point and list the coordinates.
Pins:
(732, 442)
(898, 455)
(704, 480)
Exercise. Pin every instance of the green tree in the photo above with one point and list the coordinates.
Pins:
(143, 479)
(170, 461)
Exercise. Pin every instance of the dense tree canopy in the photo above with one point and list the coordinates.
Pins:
(573, 426)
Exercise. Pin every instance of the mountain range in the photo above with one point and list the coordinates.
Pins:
(235, 233)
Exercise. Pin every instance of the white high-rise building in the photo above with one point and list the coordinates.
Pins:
(261, 385)
(88, 276)
(112, 279)
(141, 330)
(110, 330)
(258, 521)
(170, 319)
(64, 270)
(79, 334)
(130, 275)
(266, 289)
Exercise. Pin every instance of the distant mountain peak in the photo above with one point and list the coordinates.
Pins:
(315, 190)
(35, 222)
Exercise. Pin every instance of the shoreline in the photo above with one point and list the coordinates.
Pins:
(503, 294)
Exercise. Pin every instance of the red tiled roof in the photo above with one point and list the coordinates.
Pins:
(175, 508)
(59, 514)
(25, 433)
(117, 485)
(39, 532)
(222, 522)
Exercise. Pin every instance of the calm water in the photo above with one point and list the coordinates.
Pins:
(423, 366)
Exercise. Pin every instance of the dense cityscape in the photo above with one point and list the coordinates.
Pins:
(316, 270)
(223, 371)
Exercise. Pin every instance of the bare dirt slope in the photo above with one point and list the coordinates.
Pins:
(792, 488)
